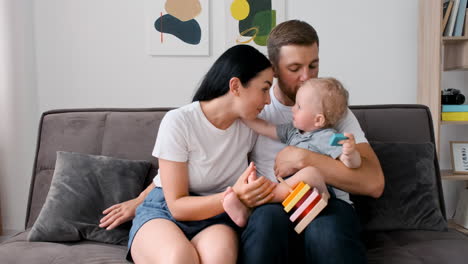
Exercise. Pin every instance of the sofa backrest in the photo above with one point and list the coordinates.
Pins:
(120, 133)
(131, 133)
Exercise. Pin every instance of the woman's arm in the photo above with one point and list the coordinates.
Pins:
(123, 212)
(262, 127)
(365, 180)
(183, 207)
(174, 178)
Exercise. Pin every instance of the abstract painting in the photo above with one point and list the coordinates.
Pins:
(178, 27)
(250, 21)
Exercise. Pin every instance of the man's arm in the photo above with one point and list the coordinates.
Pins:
(365, 180)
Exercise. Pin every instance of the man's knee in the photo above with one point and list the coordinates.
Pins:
(269, 217)
(265, 238)
(336, 232)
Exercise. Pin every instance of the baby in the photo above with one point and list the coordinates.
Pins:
(320, 104)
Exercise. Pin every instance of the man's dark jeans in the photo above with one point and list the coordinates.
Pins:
(332, 237)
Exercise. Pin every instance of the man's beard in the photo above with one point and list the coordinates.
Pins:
(287, 92)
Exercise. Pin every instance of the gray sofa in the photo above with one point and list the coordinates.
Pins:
(130, 134)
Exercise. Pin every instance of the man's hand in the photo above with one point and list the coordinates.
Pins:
(251, 190)
(289, 160)
(119, 214)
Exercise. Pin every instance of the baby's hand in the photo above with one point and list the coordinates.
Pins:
(349, 145)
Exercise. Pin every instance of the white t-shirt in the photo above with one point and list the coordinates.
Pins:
(216, 158)
(265, 149)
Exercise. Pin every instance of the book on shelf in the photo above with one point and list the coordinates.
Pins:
(455, 108)
(454, 116)
(453, 16)
(465, 33)
(460, 21)
(447, 10)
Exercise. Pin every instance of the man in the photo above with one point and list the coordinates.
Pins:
(333, 237)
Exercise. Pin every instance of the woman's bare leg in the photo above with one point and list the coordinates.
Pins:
(216, 244)
(161, 241)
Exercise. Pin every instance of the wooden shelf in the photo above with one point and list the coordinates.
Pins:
(449, 175)
(452, 224)
(454, 39)
(454, 122)
(455, 49)
(457, 68)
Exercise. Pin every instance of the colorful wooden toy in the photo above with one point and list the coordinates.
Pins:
(304, 203)
(337, 137)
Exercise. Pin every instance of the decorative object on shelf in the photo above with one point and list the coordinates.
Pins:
(447, 11)
(452, 96)
(250, 21)
(177, 27)
(455, 112)
(461, 213)
(459, 153)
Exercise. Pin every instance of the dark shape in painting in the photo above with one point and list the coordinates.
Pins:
(188, 31)
(256, 6)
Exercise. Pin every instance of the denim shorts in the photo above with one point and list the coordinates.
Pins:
(155, 207)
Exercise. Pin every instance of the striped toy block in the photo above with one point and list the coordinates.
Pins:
(295, 196)
(310, 213)
(310, 201)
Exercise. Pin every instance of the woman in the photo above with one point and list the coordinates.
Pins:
(202, 149)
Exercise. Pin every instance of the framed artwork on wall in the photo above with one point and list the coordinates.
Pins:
(177, 27)
(250, 21)
(459, 153)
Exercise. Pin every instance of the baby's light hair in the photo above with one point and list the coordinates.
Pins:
(334, 98)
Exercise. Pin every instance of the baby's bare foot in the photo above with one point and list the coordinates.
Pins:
(252, 177)
(237, 211)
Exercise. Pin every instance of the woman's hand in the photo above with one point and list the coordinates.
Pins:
(251, 190)
(119, 213)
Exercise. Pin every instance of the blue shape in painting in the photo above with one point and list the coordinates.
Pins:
(188, 31)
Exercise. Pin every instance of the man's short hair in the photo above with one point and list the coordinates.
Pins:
(291, 32)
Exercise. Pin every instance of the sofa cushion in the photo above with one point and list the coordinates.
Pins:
(17, 250)
(82, 187)
(408, 200)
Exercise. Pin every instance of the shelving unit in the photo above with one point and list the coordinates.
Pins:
(438, 54)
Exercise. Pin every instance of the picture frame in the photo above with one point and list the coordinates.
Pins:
(177, 27)
(459, 155)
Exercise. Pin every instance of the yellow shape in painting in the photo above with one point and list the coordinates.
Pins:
(255, 29)
(240, 9)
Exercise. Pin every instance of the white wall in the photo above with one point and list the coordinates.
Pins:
(18, 109)
(91, 53)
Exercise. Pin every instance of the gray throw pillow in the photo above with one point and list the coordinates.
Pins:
(409, 200)
(82, 187)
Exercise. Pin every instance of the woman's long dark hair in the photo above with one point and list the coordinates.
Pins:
(241, 61)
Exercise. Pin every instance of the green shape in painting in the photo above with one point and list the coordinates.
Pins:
(265, 21)
(256, 6)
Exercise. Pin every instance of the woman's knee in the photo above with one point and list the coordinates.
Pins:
(161, 241)
(216, 244)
